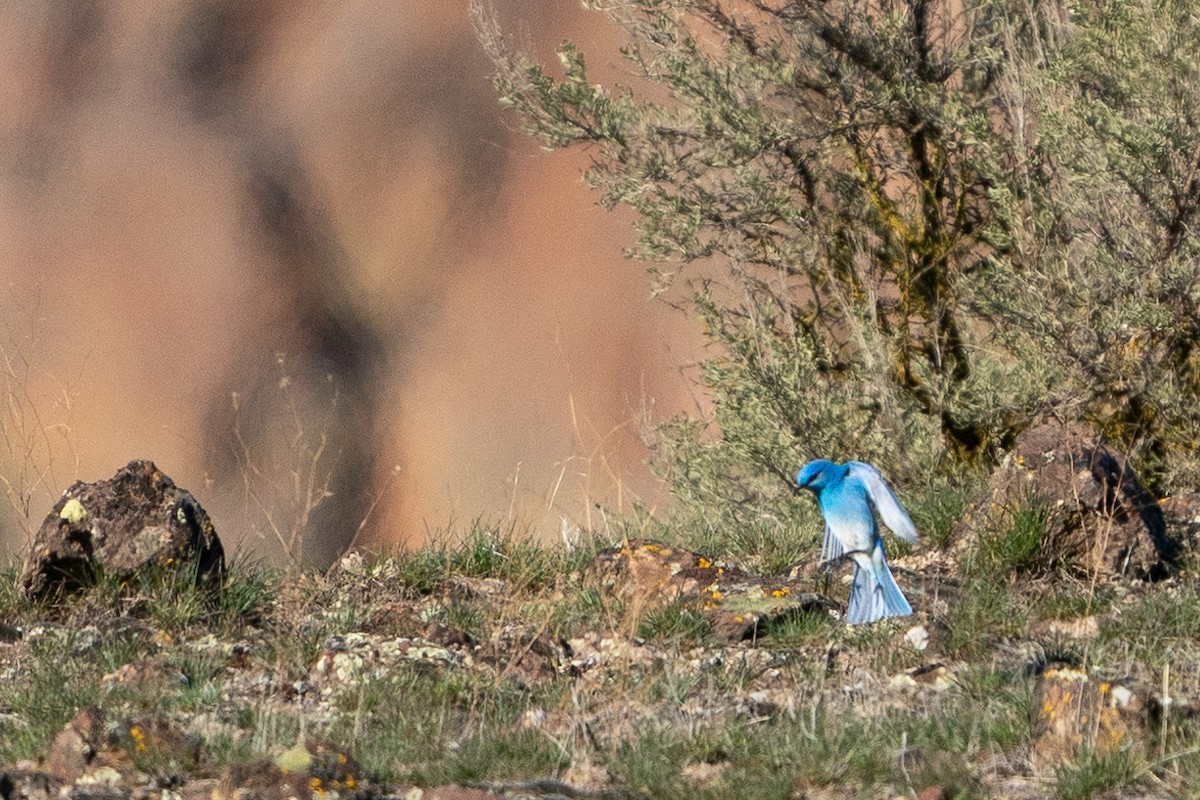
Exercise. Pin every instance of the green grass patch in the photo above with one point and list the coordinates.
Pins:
(677, 622)
(1159, 626)
(444, 726)
(798, 627)
(939, 506)
(61, 676)
(1015, 547)
(1065, 599)
(984, 614)
(1094, 775)
(488, 552)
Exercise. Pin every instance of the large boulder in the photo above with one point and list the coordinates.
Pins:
(136, 519)
(1100, 519)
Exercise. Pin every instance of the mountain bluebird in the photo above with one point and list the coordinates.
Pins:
(846, 493)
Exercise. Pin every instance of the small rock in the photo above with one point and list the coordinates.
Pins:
(936, 676)
(526, 654)
(76, 746)
(144, 672)
(918, 637)
(1082, 628)
(587, 776)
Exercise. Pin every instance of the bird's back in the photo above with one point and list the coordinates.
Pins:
(848, 514)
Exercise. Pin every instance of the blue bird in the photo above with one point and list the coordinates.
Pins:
(847, 493)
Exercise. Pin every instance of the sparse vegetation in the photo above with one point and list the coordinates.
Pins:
(439, 666)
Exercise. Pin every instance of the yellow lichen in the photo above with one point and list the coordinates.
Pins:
(139, 738)
(72, 511)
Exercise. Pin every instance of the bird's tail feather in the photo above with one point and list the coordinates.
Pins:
(875, 594)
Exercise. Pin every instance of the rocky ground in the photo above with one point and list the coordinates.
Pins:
(1065, 668)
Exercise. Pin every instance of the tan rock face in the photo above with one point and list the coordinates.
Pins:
(136, 519)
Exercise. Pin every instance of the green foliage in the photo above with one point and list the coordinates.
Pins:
(247, 591)
(170, 597)
(1069, 599)
(798, 628)
(12, 602)
(908, 229)
(677, 716)
(61, 677)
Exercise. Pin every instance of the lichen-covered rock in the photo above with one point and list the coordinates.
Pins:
(646, 576)
(1100, 519)
(1078, 714)
(136, 519)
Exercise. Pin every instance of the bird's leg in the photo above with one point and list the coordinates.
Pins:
(845, 556)
(828, 565)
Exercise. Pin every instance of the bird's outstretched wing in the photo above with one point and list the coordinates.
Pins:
(884, 499)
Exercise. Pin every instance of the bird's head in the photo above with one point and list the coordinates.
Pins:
(815, 475)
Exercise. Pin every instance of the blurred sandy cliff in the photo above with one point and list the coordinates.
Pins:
(284, 249)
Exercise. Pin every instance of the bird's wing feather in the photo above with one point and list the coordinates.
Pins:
(893, 514)
(831, 548)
